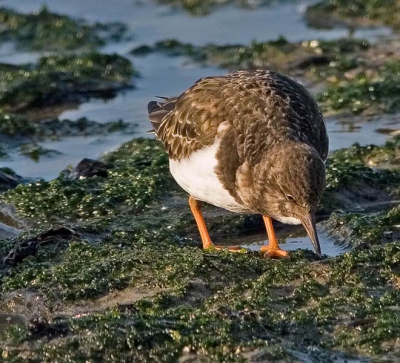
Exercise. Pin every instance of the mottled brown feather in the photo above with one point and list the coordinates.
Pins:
(263, 108)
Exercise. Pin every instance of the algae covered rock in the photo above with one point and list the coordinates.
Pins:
(71, 72)
(17, 127)
(44, 30)
(63, 78)
(115, 278)
(317, 56)
(204, 7)
(366, 180)
(376, 89)
(134, 180)
(8, 179)
(328, 13)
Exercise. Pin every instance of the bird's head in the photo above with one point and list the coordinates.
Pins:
(293, 186)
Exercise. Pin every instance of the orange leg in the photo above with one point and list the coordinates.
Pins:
(272, 249)
(195, 207)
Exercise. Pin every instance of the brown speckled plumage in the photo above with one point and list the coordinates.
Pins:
(271, 133)
(263, 108)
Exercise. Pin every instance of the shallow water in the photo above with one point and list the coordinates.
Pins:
(162, 75)
(291, 238)
(327, 243)
(364, 132)
(71, 150)
(150, 22)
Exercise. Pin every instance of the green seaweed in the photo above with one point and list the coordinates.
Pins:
(35, 151)
(129, 285)
(205, 7)
(386, 155)
(361, 178)
(328, 13)
(132, 184)
(350, 168)
(278, 307)
(15, 126)
(63, 78)
(340, 45)
(323, 57)
(43, 30)
(117, 263)
(380, 91)
(344, 168)
(340, 55)
(226, 56)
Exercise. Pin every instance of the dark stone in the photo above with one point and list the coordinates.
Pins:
(88, 168)
(40, 328)
(8, 179)
(314, 60)
(142, 50)
(31, 246)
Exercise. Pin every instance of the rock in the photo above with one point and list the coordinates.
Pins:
(8, 179)
(88, 168)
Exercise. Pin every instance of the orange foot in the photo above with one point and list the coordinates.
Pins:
(273, 252)
(226, 248)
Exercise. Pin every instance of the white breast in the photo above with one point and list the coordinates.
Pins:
(196, 175)
(289, 220)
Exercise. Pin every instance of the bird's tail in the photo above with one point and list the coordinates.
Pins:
(157, 110)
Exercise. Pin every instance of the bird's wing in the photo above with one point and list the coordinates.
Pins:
(189, 122)
(262, 108)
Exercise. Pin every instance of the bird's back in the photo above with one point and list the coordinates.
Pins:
(260, 109)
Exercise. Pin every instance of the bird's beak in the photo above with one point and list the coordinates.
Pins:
(308, 221)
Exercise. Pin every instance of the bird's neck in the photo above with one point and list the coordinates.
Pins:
(284, 160)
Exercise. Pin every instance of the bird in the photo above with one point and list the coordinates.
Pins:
(250, 142)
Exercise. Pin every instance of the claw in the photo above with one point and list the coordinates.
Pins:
(267, 251)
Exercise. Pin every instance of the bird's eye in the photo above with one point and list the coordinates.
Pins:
(290, 197)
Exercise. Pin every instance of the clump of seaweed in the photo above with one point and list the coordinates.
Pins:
(112, 273)
(205, 7)
(63, 78)
(328, 13)
(324, 57)
(43, 30)
(132, 183)
(14, 125)
(378, 90)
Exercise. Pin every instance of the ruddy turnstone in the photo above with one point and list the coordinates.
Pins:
(249, 142)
